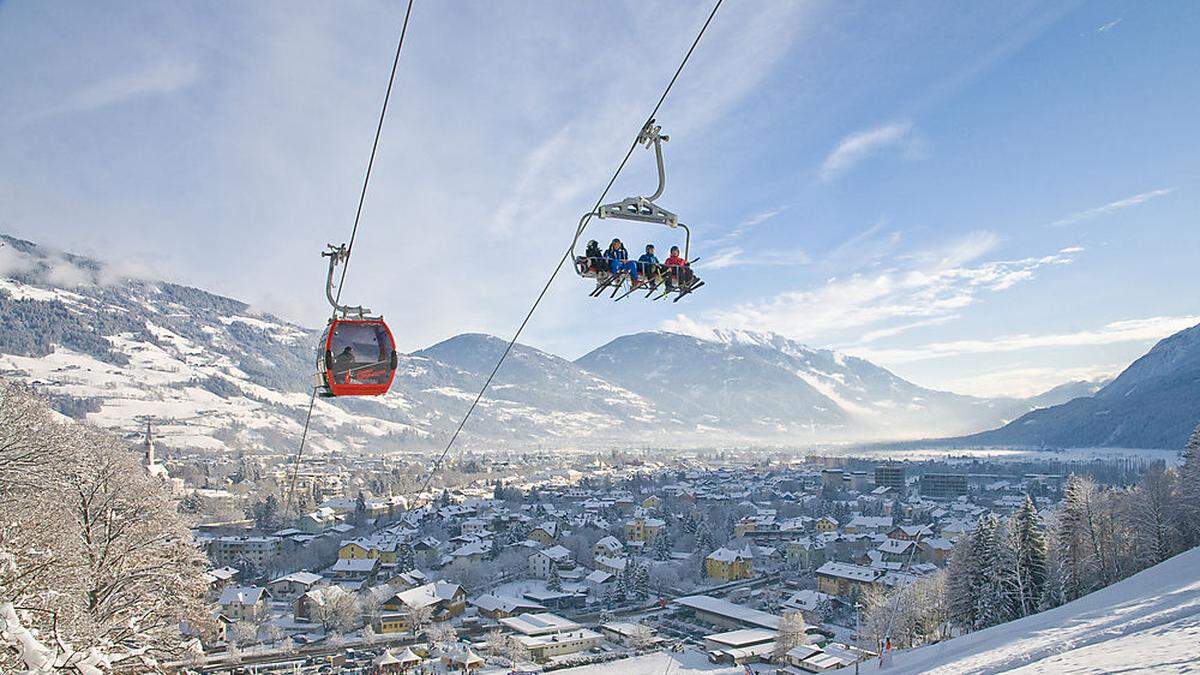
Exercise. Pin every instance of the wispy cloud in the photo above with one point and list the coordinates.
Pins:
(932, 286)
(860, 145)
(1111, 207)
(160, 78)
(1131, 330)
(737, 257)
(1025, 381)
(749, 223)
(1110, 25)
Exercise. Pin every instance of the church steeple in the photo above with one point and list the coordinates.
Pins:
(148, 446)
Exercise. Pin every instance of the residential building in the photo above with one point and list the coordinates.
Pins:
(643, 528)
(503, 606)
(943, 485)
(891, 476)
(292, 586)
(244, 603)
(843, 579)
(541, 562)
(608, 547)
(239, 550)
(545, 534)
(729, 564)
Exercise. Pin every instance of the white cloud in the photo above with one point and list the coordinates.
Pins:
(860, 145)
(160, 78)
(749, 223)
(1131, 330)
(1111, 207)
(14, 262)
(737, 257)
(63, 273)
(935, 285)
(1026, 381)
(1110, 25)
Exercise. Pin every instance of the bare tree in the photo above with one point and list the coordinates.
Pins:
(336, 609)
(791, 633)
(95, 548)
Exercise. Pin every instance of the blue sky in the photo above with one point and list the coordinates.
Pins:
(990, 198)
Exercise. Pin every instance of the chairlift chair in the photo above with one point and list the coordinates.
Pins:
(642, 210)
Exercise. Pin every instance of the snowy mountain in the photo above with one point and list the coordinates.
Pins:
(215, 373)
(1154, 403)
(1146, 623)
(766, 384)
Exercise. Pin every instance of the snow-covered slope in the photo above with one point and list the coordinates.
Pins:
(1148, 623)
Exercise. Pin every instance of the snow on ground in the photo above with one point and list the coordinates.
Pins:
(660, 663)
(1147, 623)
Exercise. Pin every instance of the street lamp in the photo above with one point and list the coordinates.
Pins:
(857, 633)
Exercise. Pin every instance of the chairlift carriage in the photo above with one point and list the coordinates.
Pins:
(661, 280)
(357, 355)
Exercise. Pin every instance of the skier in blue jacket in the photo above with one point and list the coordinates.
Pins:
(618, 260)
(648, 263)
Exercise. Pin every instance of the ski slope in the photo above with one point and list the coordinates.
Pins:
(1148, 623)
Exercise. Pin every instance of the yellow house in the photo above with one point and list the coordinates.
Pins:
(545, 534)
(729, 564)
(643, 529)
(826, 524)
(843, 579)
(357, 550)
(354, 551)
(392, 622)
(651, 502)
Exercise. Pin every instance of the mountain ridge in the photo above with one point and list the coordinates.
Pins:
(216, 373)
(1153, 403)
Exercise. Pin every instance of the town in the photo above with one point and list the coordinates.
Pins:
(549, 560)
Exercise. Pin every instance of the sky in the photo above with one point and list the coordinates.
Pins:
(991, 198)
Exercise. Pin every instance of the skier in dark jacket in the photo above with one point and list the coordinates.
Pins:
(594, 257)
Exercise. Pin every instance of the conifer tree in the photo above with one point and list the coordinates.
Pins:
(554, 583)
(1029, 547)
(994, 602)
(963, 582)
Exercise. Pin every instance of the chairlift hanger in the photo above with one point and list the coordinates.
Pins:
(642, 210)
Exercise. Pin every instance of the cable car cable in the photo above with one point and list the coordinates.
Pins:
(362, 197)
(578, 233)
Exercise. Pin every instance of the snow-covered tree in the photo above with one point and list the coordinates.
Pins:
(92, 545)
(1157, 530)
(1030, 549)
(405, 557)
(994, 601)
(336, 609)
(662, 546)
(1078, 538)
(641, 581)
(1188, 508)
(554, 583)
(441, 635)
(791, 633)
(963, 578)
(419, 617)
(704, 538)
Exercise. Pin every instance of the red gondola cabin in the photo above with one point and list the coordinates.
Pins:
(358, 358)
